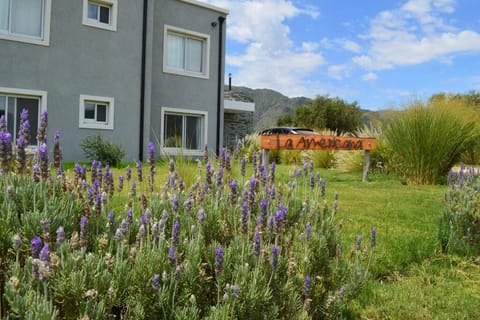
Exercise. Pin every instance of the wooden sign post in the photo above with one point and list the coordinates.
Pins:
(318, 142)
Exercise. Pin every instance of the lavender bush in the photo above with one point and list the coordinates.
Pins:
(75, 247)
(459, 225)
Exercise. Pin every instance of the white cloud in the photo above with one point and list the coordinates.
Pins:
(271, 59)
(349, 45)
(338, 71)
(413, 34)
(371, 76)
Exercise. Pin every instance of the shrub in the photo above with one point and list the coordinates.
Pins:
(107, 152)
(459, 225)
(215, 249)
(426, 141)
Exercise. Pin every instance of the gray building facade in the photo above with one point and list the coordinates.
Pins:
(133, 71)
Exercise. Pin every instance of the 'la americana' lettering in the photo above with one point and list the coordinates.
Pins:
(323, 143)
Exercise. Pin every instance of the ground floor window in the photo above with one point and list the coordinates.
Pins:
(96, 112)
(13, 102)
(183, 130)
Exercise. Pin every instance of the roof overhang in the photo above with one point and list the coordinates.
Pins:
(233, 106)
(206, 6)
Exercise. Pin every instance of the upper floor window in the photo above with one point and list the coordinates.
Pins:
(186, 52)
(25, 20)
(100, 13)
(96, 112)
(14, 101)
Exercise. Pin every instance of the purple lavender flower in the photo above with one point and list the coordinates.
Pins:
(359, 242)
(44, 254)
(175, 203)
(373, 240)
(305, 167)
(256, 243)
(36, 246)
(323, 187)
(208, 172)
(83, 225)
(222, 157)
(272, 172)
(133, 191)
(178, 272)
(243, 166)
(312, 180)
(171, 256)
(308, 231)
(171, 166)
(306, 285)
(151, 150)
(156, 282)
(201, 216)
(187, 204)
(274, 257)
(3, 124)
(271, 224)
(176, 233)
(5, 151)
(233, 192)
(218, 260)
(139, 171)
(130, 216)
(42, 129)
(220, 177)
(60, 235)
(264, 208)
(120, 183)
(263, 174)
(254, 162)
(297, 173)
(148, 215)
(128, 173)
(244, 218)
(228, 162)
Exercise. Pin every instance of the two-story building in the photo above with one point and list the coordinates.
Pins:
(132, 70)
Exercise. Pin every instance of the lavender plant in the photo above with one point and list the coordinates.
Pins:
(197, 252)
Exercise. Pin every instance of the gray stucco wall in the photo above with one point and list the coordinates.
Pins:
(91, 61)
(184, 92)
(82, 60)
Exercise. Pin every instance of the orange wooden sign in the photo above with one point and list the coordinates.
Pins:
(315, 142)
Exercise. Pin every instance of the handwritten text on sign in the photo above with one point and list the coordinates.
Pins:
(315, 142)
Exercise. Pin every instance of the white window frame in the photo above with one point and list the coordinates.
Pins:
(44, 39)
(27, 93)
(93, 124)
(183, 112)
(112, 4)
(205, 74)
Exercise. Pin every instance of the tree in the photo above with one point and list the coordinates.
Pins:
(325, 112)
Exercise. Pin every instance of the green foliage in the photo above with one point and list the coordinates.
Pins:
(459, 225)
(326, 112)
(105, 266)
(426, 141)
(107, 152)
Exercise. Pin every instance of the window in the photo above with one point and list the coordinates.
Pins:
(186, 52)
(183, 130)
(14, 101)
(100, 14)
(96, 112)
(25, 20)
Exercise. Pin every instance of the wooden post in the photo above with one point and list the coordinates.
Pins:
(266, 157)
(366, 165)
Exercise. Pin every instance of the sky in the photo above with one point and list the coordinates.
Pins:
(380, 53)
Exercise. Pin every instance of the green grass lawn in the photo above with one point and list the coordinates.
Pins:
(410, 278)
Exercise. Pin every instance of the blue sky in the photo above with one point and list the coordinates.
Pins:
(380, 53)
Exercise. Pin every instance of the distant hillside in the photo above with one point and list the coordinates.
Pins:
(270, 105)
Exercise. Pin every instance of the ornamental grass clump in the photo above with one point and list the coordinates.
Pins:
(426, 141)
(216, 249)
(459, 225)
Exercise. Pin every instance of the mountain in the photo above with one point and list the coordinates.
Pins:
(269, 105)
